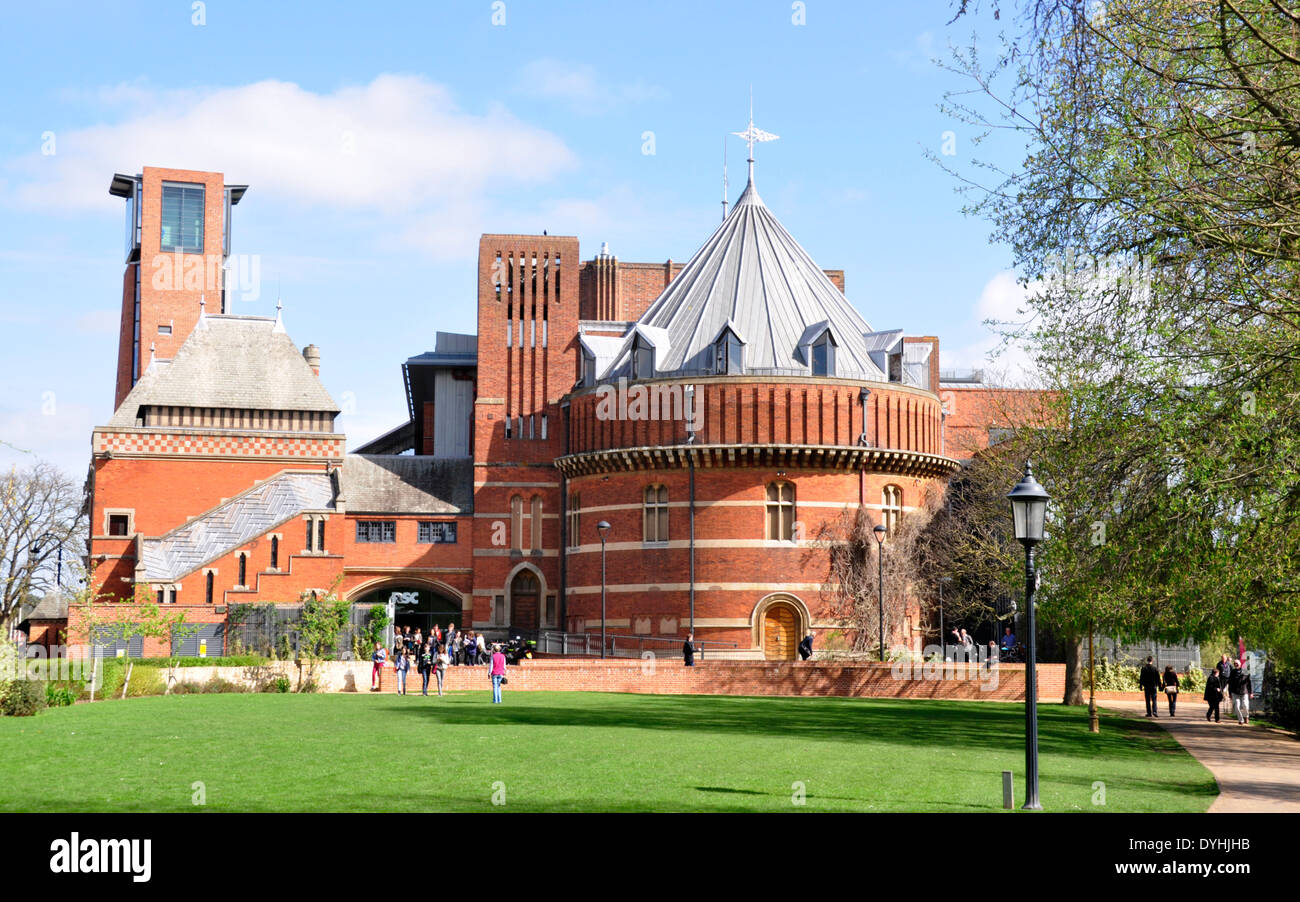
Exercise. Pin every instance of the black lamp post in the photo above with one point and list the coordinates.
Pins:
(1028, 512)
(603, 528)
(943, 640)
(880, 532)
(36, 549)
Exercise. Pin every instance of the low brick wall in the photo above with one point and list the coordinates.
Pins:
(956, 681)
(1005, 682)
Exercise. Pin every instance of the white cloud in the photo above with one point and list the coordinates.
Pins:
(580, 86)
(398, 143)
(1001, 300)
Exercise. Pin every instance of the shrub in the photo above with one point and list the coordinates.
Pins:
(8, 666)
(1113, 677)
(282, 684)
(60, 696)
(1284, 697)
(183, 688)
(25, 698)
(146, 679)
(309, 685)
(219, 684)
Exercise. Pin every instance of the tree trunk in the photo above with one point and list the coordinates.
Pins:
(1075, 658)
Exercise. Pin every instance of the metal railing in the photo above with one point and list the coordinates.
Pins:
(619, 646)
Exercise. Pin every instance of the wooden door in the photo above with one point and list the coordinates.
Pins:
(779, 639)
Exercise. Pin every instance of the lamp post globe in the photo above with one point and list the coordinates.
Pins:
(880, 532)
(1029, 515)
(602, 528)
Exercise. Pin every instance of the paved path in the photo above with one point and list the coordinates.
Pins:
(1258, 769)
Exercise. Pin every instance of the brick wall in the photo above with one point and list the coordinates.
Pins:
(669, 677)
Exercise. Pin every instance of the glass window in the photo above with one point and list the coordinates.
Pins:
(376, 531)
(729, 358)
(243, 570)
(117, 524)
(535, 521)
(655, 523)
(275, 553)
(823, 356)
(437, 532)
(891, 508)
(780, 512)
(643, 359)
(575, 520)
(182, 218)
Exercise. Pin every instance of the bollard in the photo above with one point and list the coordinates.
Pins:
(1008, 792)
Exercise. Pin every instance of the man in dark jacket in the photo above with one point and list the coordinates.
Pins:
(1213, 694)
(1239, 688)
(688, 650)
(1149, 680)
(805, 647)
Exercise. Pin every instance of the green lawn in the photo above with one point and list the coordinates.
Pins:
(578, 751)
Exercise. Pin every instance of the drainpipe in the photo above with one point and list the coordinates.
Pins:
(690, 465)
(862, 440)
(563, 612)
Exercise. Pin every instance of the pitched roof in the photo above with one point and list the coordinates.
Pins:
(406, 484)
(752, 273)
(233, 523)
(229, 361)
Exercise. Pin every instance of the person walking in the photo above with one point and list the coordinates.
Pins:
(1213, 694)
(688, 650)
(805, 647)
(1239, 688)
(440, 667)
(1225, 671)
(450, 640)
(498, 673)
(482, 648)
(1171, 688)
(380, 655)
(1149, 681)
(401, 663)
(425, 666)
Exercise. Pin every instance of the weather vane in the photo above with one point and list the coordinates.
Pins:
(752, 134)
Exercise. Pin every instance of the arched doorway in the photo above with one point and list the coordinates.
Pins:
(428, 607)
(525, 590)
(780, 631)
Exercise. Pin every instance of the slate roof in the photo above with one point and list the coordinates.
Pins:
(752, 273)
(240, 520)
(52, 606)
(230, 361)
(406, 484)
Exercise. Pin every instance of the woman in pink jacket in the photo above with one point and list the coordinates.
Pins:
(498, 673)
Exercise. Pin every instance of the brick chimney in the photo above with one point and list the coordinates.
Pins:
(311, 354)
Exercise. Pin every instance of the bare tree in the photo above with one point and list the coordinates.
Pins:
(41, 510)
(855, 566)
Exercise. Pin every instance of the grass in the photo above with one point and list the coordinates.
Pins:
(578, 751)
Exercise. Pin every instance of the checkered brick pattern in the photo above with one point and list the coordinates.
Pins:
(217, 444)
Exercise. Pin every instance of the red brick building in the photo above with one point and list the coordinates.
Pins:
(714, 413)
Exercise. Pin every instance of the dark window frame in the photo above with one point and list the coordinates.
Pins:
(376, 532)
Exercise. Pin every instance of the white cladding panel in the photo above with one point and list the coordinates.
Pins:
(453, 402)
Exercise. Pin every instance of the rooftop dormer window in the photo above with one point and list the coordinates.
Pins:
(823, 355)
(588, 369)
(643, 359)
(728, 354)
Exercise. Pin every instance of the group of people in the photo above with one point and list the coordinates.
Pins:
(1226, 679)
(431, 656)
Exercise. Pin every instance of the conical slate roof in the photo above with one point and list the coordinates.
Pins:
(752, 276)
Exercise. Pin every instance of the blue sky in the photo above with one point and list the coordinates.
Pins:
(380, 140)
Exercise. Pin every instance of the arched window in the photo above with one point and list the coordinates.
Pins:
(209, 590)
(516, 523)
(823, 355)
(891, 508)
(275, 552)
(535, 522)
(656, 514)
(243, 570)
(643, 359)
(728, 354)
(780, 511)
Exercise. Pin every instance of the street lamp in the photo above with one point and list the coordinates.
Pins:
(1028, 511)
(943, 640)
(603, 528)
(880, 532)
(36, 549)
